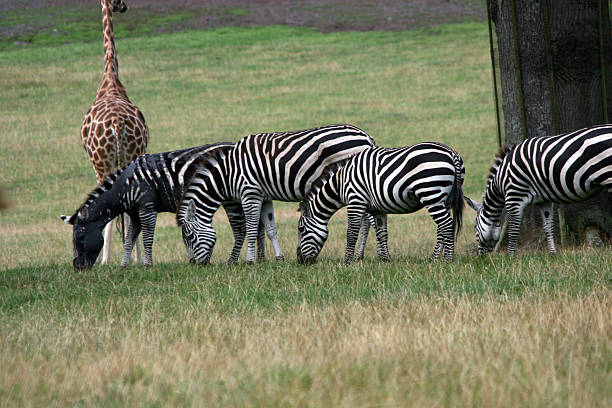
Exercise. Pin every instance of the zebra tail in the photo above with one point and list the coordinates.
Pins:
(456, 197)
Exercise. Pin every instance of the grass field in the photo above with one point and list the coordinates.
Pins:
(530, 331)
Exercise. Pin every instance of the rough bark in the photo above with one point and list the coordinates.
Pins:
(555, 69)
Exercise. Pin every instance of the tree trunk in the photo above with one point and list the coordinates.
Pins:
(551, 76)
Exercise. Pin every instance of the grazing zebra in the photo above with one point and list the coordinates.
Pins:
(565, 168)
(150, 184)
(262, 167)
(386, 181)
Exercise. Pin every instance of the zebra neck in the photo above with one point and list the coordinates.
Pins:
(493, 202)
(228, 182)
(328, 199)
(106, 207)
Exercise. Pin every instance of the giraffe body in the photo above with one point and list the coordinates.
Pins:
(114, 131)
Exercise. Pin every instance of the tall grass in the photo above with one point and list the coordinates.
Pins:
(529, 331)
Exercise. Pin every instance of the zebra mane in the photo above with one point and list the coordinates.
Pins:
(326, 174)
(499, 158)
(210, 158)
(99, 190)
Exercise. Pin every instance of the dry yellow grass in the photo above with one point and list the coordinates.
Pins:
(420, 352)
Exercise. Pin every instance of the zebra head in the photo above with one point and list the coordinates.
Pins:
(199, 237)
(488, 231)
(312, 234)
(87, 238)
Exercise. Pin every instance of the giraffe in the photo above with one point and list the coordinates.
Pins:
(114, 131)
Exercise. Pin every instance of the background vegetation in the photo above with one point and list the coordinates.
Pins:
(534, 330)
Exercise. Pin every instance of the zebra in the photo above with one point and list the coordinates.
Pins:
(150, 184)
(262, 167)
(386, 181)
(565, 168)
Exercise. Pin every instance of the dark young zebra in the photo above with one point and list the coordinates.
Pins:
(556, 169)
(262, 167)
(150, 184)
(386, 181)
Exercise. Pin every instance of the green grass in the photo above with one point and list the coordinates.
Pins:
(529, 331)
(54, 26)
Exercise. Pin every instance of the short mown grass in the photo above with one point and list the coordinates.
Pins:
(534, 330)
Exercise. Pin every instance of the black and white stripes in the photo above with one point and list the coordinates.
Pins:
(556, 169)
(150, 184)
(386, 181)
(262, 167)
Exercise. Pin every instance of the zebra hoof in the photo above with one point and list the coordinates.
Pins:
(251, 262)
(385, 259)
(280, 258)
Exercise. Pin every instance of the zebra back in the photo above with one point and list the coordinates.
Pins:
(284, 165)
(564, 168)
(163, 172)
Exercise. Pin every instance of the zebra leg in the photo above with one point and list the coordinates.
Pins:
(251, 205)
(108, 230)
(267, 216)
(261, 242)
(382, 236)
(515, 214)
(366, 221)
(132, 231)
(136, 242)
(148, 219)
(354, 214)
(546, 210)
(237, 222)
(444, 235)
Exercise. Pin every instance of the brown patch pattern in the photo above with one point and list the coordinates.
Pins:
(114, 131)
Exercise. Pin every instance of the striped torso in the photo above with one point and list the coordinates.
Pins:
(284, 165)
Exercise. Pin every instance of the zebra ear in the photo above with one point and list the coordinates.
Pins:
(68, 220)
(190, 214)
(473, 204)
(304, 208)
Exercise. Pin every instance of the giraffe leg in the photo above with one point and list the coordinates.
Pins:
(139, 250)
(108, 230)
